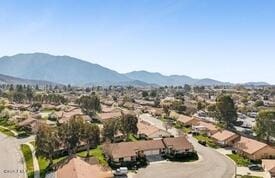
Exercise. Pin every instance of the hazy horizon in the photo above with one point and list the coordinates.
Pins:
(231, 41)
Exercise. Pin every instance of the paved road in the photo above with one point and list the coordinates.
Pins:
(211, 165)
(11, 158)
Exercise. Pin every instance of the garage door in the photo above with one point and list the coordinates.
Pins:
(151, 152)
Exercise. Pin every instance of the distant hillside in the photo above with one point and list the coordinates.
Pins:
(4, 79)
(59, 69)
(256, 84)
(69, 70)
(135, 83)
(160, 79)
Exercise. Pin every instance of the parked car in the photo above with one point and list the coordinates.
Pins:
(122, 171)
(202, 142)
(255, 167)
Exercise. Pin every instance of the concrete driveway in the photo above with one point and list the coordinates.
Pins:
(212, 164)
(11, 158)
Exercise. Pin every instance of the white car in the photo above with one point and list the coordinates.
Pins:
(121, 171)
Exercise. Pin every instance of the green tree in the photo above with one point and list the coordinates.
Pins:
(265, 124)
(226, 110)
(178, 105)
(110, 128)
(18, 97)
(91, 136)
(71, 133)
(29, 94)
(144, 94)
(187, 88)
(153, 93)
(128, 124)
(90, 104)
(258, 103)
(47, 142)
(166, 110)
(200, 105)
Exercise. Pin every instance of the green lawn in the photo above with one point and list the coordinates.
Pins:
(132, 138)
(239, 160)
(97, 153)
(208, 140)
(6, 132)
(28, 160)
(3, 122)
(44, 164)
(186, 129)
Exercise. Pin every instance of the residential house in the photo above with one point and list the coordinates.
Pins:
(129, 151)
(205, 128)
(148, 131)
(67, 115)
(109, 115)
(178, 145)
(77, 168)
(269, 166)
(254, 149)
(187, 120)
(225, 138)
(30, 124)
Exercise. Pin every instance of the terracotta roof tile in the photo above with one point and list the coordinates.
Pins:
(223, 135)
(77, 168)
(249, 145)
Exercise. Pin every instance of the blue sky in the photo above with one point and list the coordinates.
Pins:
(226, 40)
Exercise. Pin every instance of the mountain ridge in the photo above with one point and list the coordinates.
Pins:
(161, 79)
(5, 79)
(64, 69)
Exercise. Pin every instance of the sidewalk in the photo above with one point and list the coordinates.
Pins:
(35, 161)
(241, 170)
(246, 171)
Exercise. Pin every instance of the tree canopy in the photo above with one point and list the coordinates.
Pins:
(265, 124)
(226, 110)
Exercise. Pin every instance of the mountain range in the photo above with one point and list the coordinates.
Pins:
(4, 79)
(37, 67)
(175, 80)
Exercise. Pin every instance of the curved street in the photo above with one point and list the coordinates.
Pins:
(11, 159)
(211, 165)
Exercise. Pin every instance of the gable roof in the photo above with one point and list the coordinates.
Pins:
(110, 115)
(249, 145)
(223, 135)
(148, 129)
(178, 143)
(128, 149)
(77, 168)
(184, 119)
(209, 126)
(269, 165)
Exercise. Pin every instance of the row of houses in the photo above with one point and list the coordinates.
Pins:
(120, 153)
(252, 149)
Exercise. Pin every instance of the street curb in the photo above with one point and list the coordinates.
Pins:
(235, 165)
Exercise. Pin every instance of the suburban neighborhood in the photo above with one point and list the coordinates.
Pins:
(137, 89)
(66, 131)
